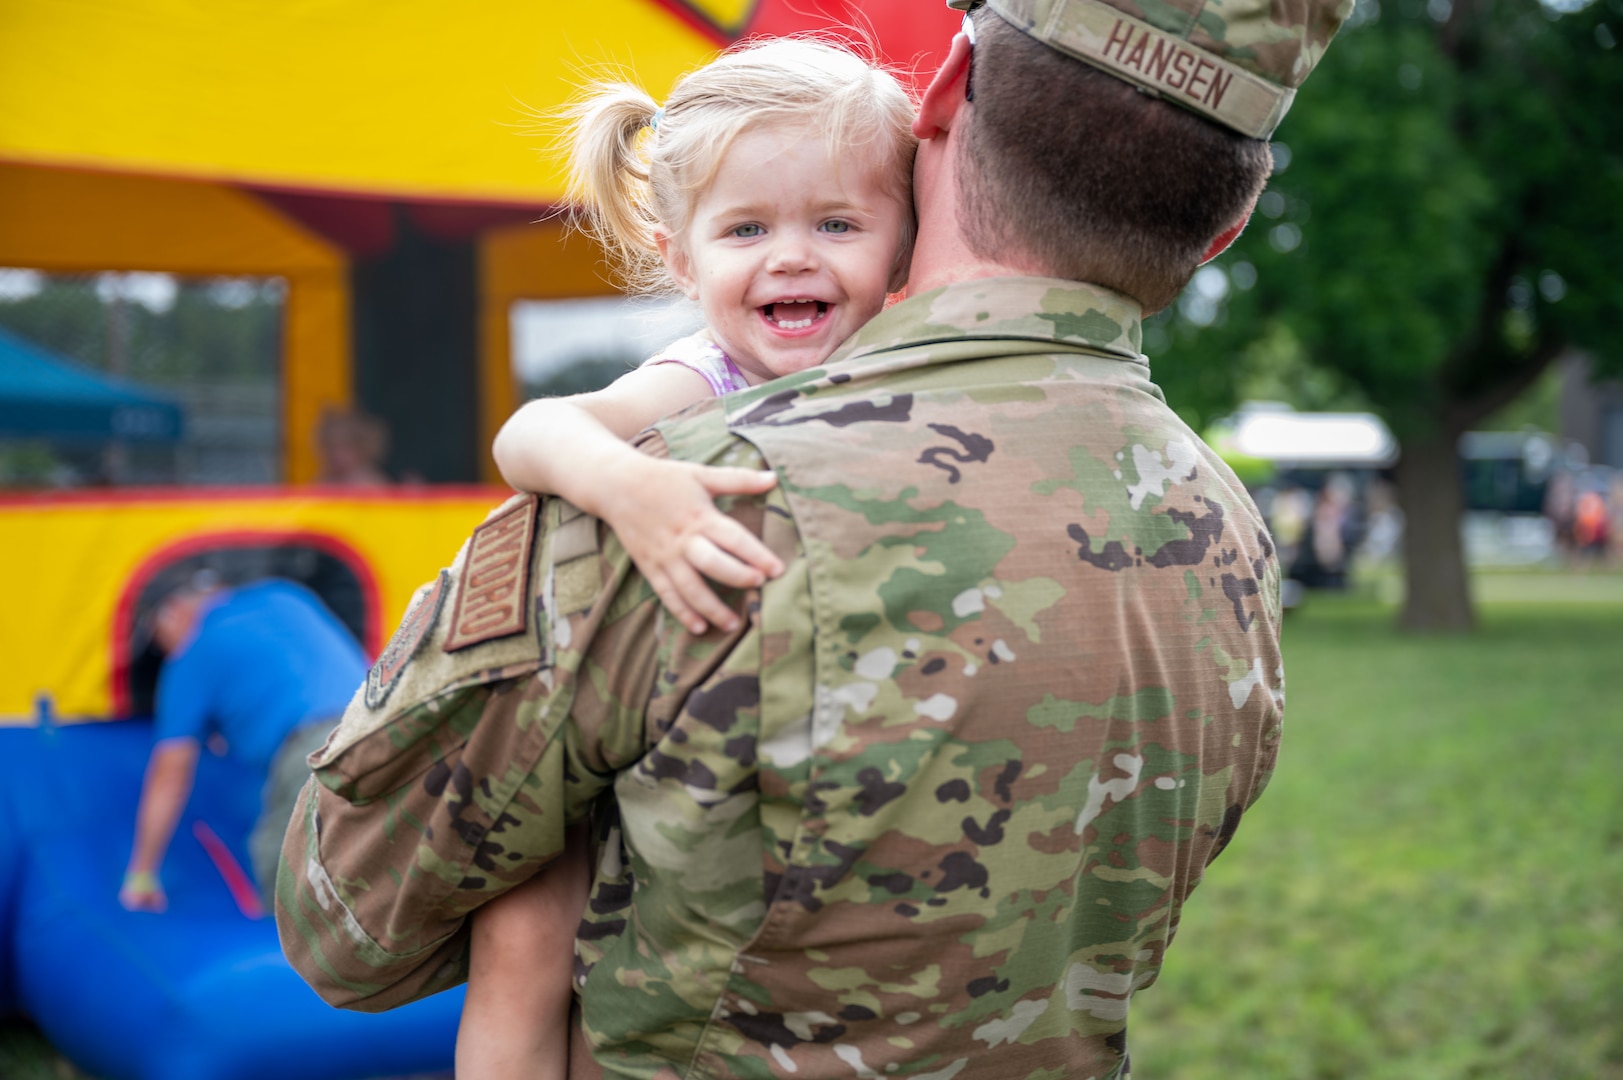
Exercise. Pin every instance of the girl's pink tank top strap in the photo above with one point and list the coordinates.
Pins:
(698, 353)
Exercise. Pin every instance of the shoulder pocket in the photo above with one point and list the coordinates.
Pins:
(474, 626)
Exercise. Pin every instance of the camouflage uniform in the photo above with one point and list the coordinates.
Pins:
(931, 812)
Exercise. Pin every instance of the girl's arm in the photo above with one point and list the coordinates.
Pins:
(663, 511)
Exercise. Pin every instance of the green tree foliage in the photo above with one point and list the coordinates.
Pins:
(222, 328)
(212, 343)
(1444, 221)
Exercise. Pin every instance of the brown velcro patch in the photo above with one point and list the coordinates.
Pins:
(493, 597)
(403, 646)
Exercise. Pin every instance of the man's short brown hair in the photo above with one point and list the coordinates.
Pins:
(1090, 178)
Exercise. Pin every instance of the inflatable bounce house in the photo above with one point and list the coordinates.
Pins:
(379, 157)
(201, 991)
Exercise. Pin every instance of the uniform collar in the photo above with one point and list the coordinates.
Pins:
(1067, 313)
(987, 318)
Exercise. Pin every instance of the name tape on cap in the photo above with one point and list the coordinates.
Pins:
(1154, 60)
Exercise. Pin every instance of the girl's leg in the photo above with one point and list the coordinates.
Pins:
(515, 1021)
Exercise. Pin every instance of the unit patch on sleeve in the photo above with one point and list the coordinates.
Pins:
(493, 596)
(413, 630)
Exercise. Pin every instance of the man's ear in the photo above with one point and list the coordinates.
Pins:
(1228, 235)
(945, 95)
(677, 262)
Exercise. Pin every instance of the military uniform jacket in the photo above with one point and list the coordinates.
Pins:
(933, 810)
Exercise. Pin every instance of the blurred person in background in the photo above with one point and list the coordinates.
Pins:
(1287, 520)
(1383, 523)
(1614, 520)
(1590, 525)
(1321, 558)
(353, 446)
(266, 667)
(1560, 506)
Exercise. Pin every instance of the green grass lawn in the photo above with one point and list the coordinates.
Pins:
(1432, 887)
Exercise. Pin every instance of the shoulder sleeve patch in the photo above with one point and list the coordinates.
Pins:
(493, 596)
(413, 630)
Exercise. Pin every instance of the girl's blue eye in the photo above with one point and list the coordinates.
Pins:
(746, 231)
(837, 226)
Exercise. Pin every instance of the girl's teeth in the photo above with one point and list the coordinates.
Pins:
(808, 310)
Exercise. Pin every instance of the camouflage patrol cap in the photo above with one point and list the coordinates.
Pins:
(1237, 62)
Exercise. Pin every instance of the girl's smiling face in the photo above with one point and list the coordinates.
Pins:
(789, 250)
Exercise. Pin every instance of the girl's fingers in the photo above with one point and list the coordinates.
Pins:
(671, 597)
(720, 565)
(679, 539)
(700, 598)
(728, 480)
(744, 547)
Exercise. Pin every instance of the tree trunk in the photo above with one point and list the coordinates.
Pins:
(1437, 595)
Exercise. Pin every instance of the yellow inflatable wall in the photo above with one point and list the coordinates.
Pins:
(75, 564)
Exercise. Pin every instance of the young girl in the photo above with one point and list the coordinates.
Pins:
(773, 187)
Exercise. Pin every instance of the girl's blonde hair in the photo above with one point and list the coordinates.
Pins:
(636, 167)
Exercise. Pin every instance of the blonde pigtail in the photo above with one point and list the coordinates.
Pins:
(609, 177)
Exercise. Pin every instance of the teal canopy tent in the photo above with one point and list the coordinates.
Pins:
(43, 396)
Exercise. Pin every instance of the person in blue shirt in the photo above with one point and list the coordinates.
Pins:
(268, 668)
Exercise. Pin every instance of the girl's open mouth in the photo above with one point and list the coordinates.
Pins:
(794, 314)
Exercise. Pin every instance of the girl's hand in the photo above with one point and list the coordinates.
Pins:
(666, 517)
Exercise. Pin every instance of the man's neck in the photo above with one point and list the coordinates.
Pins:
(938, 262)
(940, 255)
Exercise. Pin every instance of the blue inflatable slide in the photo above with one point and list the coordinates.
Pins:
(200, 992)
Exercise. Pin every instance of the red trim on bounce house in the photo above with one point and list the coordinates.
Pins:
(124, 612)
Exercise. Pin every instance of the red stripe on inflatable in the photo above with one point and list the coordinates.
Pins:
(236, 879)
